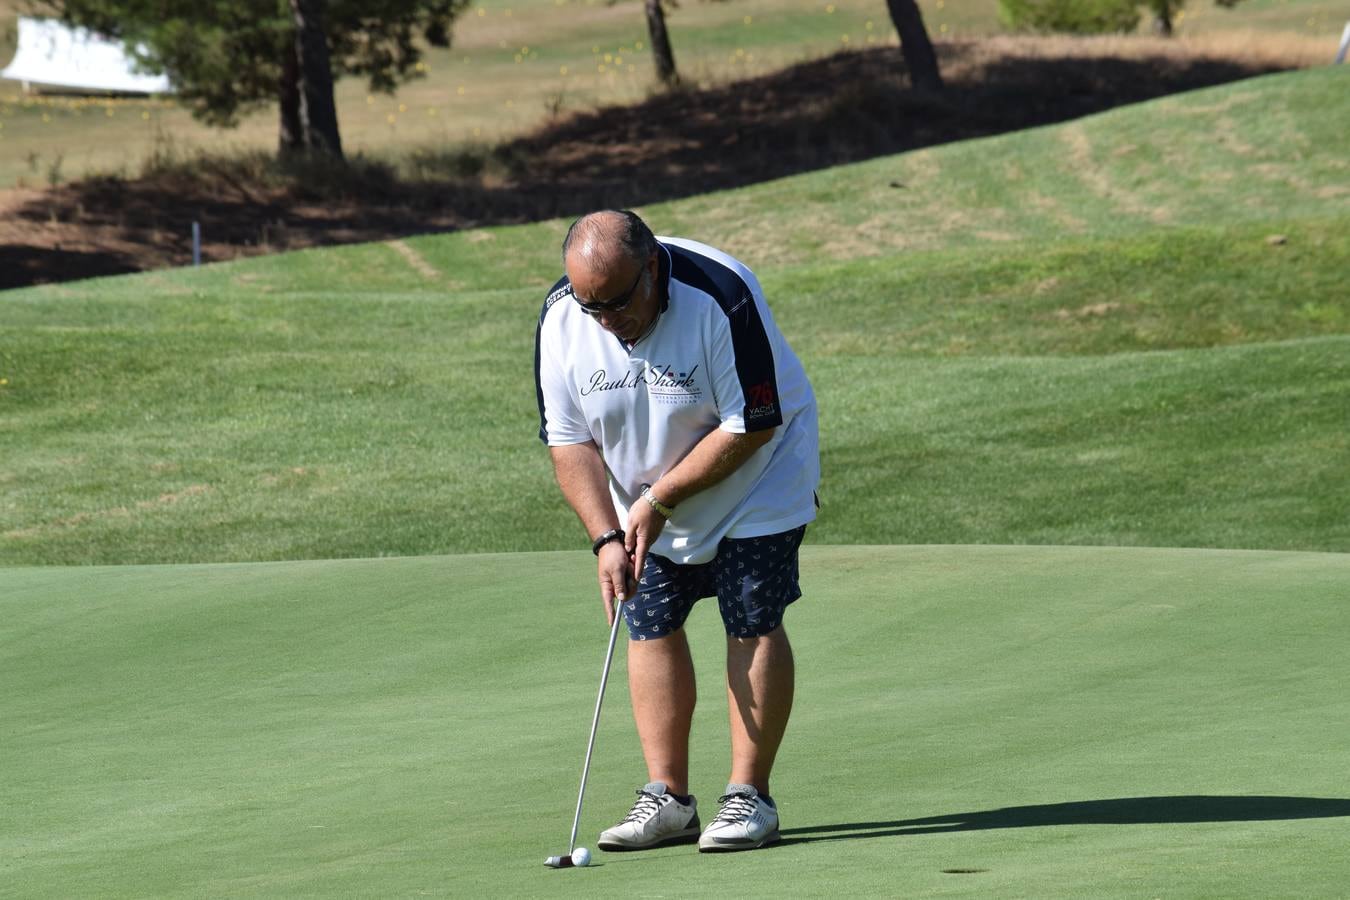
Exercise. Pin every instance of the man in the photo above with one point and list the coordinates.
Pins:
(683, 433)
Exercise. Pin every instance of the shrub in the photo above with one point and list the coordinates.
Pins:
(1070, 16)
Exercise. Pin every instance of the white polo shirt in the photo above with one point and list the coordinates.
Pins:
(714, 359)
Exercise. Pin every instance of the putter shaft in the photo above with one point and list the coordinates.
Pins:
(595, 724)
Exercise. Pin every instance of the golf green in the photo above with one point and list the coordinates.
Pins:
(992, 721)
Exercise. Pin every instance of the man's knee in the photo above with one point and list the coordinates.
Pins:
(775, 638)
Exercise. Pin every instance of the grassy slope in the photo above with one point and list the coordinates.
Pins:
(1261, 150)
(1078, 722)
(342, 403)
(333, 450)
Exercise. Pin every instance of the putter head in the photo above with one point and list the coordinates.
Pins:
(559, 862)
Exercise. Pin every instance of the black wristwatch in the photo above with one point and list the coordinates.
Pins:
(614, 534)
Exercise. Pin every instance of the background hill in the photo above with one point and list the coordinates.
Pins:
(547, 108)
(1042, 337)
(505, 72)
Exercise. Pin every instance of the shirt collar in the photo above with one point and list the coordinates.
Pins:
(663, 275)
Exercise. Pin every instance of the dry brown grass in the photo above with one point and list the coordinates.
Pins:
(1254, 49)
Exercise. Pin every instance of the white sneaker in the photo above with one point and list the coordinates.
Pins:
(656, 818)
(744, 821)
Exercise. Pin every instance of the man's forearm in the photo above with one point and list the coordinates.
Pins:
(581, 475)
(713, 458)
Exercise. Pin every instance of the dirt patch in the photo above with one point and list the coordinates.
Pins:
(1091, 311)
(1055, 209)
(844, 108)
(414, 259)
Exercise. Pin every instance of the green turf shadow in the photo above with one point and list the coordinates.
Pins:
(1122, 811)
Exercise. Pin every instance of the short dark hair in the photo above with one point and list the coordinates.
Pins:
(635, 237)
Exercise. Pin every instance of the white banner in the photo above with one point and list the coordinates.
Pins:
(51, 55)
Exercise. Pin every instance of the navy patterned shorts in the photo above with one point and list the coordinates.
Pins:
(754, 579)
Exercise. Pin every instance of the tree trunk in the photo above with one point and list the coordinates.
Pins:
(661, 52)
(318, 113)
(914, 43)
(291, 137)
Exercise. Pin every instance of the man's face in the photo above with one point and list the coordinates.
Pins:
(622, 298)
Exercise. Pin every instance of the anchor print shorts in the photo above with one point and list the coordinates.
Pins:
(754, 580)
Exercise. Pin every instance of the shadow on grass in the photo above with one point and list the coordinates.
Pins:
(22, 265)
(1125, 811)
(844, 108)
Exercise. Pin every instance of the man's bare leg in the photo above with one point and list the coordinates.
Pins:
(760, 679)
(661, 684)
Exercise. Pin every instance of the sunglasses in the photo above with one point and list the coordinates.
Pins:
(618, 304)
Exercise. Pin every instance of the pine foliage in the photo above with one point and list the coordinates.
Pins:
(227, 57)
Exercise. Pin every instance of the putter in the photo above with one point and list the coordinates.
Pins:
(565, 862)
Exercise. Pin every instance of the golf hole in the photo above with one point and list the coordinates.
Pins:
(963, 871)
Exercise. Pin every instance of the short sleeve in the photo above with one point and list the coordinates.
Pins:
(561, 421)
(745, 380)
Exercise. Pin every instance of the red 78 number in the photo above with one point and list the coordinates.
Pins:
(761, 394)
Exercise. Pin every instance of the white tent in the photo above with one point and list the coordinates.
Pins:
(52, 55)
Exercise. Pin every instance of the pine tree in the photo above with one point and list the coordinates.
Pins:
(229, 57)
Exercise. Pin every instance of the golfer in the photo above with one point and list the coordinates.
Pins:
(683, 433)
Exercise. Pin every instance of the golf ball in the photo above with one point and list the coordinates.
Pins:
(581, 857)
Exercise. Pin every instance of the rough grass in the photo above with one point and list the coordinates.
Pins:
(1256, 150)
(1169, 289)
(1249, 46)
(1120, 381)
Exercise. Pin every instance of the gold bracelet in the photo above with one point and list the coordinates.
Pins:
(665, 511)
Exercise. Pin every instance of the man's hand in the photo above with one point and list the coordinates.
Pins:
(644, 527)
(616, 577)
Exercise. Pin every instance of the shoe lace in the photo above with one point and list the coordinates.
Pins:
(647, 805)
(735, 807)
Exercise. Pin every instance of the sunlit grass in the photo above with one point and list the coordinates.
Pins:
(1074, 722)
(1165, 321)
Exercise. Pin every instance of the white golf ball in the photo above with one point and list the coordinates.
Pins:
(581, 857)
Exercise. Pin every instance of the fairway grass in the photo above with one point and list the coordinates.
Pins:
(1083, 370)
(1231, 447)
(1069, 722)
